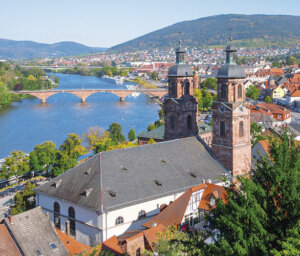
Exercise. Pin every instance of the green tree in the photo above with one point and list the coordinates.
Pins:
(116, 133)
(151, 141)
(198, 96)
(252, 92)
(43, 156)
(72, 146)
(154, 76)
(16, 164)
(131, 135)
(256, 133)
(268, 99)
(24, 200)
(207, 98)
(261, 211)
(210, 83)
(151, 127)
(63, 163)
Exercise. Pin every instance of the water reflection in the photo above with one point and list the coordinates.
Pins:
(30, 122)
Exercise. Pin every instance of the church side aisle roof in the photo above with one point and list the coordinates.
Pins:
(135, 175)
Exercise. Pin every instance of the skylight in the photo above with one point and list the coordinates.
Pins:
(38, 252)
(123, 168)
(56, 183)
(86, 192)
(88, 172)
(53, 246)
(193, 174)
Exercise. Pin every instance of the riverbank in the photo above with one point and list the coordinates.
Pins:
(143, 83)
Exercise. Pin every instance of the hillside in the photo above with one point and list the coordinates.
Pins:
(247, 31)
(10, 49)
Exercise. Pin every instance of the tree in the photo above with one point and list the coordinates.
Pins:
(259, 212)
(16, 164)
(154, 76)
(63, 163)
(116, 133)
(210, 83)
(24, 200)
(198, 96)
(72, 146)
(268, 99)
(131, 135)
(256, 133)
(207, 98)
(43, 156)
(93, 137)
(151, 141)
(151, 127)
(252, 92)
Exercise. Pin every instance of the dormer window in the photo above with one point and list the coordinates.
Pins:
(212, 201)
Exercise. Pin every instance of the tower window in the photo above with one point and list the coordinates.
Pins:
(72, 221)
(241, 129)
(222, 129)
(187, 88)
(174, 89)
(57, 215)
(240, 91)
(189, 122)
(224, 91)
(172, 122)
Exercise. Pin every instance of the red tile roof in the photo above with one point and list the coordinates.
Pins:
(265, 145)
(7, 244)
(174, 213)
(151, 235)
(73, 246)
(296, 93)
(112, 245)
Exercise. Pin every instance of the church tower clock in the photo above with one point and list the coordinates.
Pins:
(180, 105)
(231, 117)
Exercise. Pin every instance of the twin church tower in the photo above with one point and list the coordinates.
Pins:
(230, 113)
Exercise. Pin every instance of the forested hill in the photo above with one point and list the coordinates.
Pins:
(10, 49)
(247, 30)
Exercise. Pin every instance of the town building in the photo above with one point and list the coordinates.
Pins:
(30, 233)
(231, 118)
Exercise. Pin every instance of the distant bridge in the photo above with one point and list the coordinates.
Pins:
(43, 95)
(57, 67)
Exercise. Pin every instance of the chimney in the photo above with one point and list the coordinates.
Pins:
(68, 227)
(11, 219)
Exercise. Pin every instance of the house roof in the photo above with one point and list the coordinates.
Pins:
(231, 71)
(7, 244)
(111, 244)
(149, 172)
(174, 213)
(151, 235)
(296, 93)
(33, 231)
(73, 246)
(265, 146)
(181, 70)
(157, 133)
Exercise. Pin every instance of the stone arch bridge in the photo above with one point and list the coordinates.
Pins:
(43, 95)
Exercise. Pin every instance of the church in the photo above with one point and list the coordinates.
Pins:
(120, 190)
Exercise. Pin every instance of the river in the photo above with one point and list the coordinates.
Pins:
(27, 123)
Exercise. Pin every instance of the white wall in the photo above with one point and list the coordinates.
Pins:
(130, 215)
(87, 221)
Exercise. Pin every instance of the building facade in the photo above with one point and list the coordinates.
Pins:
(231, 118)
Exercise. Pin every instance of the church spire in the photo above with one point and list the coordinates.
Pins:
(180, 53)
(230, 53)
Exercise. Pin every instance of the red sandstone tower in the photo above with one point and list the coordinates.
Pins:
(180, 106)
(231, 118)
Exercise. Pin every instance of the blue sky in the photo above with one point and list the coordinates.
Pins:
(107, 23)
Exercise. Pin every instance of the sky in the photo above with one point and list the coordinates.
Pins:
(107, 23)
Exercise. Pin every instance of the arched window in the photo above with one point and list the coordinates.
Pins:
(174, 88)
(240, 91)
(241, 129)
(172, 122)
(56, 208)
(119, 220)
(189, 122)
(187, 88)
(222, 129)
(224, 91)
(142, 214)
(72, 221)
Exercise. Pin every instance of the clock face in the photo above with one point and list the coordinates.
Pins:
(241, 108)
(222, 109)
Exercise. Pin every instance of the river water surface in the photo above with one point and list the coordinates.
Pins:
(29, 122)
